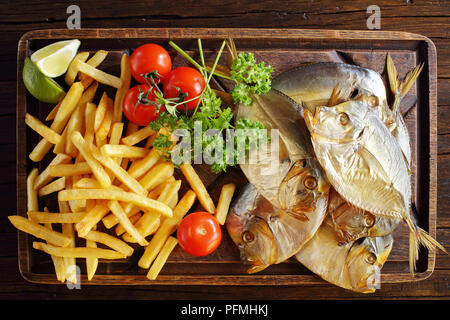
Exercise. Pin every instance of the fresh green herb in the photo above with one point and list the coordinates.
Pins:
(250, 78)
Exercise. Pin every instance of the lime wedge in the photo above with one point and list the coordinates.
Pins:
(41, 87)
(54, 59)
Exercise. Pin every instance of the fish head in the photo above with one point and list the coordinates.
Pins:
(380, 106)
(303, 186)
(250, 232)
(338, 124)
(365, 260)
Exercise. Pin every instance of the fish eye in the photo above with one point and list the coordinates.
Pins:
(369, 220)
(371, 258)
(303, 163)
(343, 118)
(248, 236)
(373, 101)
(310, 183)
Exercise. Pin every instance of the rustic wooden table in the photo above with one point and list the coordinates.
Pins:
(430, 18)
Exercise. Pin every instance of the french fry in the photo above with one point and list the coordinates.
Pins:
(118, 171)
(100, 112)
(47, 217)
(123, 151)
(98, 171)
(40, 128)
(121, 230)
(45, 177)
(154, 194)
(63, 170)
(116, 194)
(150, 220)
(98, 75)
(150, 141)
(161, 259)
(91, 263)
(76, 123)
(53, 112)
(54, 186)
(197, 185)
(95, 61)
(152, 223)
(226, 194)
(72, 71)
(168, 226)
(138, 136)
(58, 263)
(117, 210)
(91, 218)
(125, 76)
(32, 196)
(87, 183)
(110, 241)
(105, 126)
(116, 135)
(157, 175)
(65, 110)
(79, 252)
(131, 128)
(70, 262)
(142, 166)
(41, 232)
(89, 117)
(111, 220)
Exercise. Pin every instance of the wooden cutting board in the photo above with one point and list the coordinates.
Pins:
(283, 49)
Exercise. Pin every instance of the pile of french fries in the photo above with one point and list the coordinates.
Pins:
(100, 175)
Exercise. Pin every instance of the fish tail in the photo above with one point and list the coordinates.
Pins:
(410, 78)
(417, 237)
(392, 74)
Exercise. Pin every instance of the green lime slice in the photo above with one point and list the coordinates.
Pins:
(54, 59)
(41, 87)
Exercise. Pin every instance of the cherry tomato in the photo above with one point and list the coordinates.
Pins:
(148, 58)
(199, 233)
(188, 80)
(142, 114)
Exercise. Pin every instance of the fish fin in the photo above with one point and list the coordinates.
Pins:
(232, 52)
(334, 98)
(417, 237)
(392, 74)
(257, 268)
(410, 78)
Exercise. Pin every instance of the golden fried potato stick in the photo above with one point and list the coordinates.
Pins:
(100, 112)
(131, 128)
(226, 195)
(65, 110)
(111, 220)
(140, 167)
(157, 175)
(120, 230)
(54, 186)
(138, 136)
(197, 185)
(64, 170)
(41, 129)
(49, 217)
(116, 194)
(97, 169)
(32, 196)
(161, 259)
(87, 183)
(79, 252)
(123, 151)
(89, 117)
(98, 75)
(91, 263)
(72, 71)
(53, 112)
(41, 232)
(45, 177)
(103, 130)
(125, 76)
(118, 211)
(91, 218)
(110, 241)
(168, 226)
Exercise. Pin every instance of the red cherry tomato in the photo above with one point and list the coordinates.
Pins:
(199, 233)
(148, 58)
(188, 80)
(141, 114)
